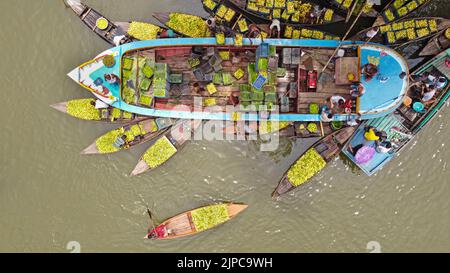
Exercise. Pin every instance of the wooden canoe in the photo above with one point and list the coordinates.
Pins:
(437, 44)
(178, 137)
(105, 115)
(317, 20)
(89, 16)
(328, 148)
(383, 19)
(381, 38)
(149, 127)
(182, 225)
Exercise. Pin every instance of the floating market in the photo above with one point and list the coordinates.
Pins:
(253, 61)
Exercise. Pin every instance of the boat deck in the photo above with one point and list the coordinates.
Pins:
(185, 92)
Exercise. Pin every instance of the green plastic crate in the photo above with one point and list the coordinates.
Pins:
(217, 79)
(245, 96)
(145, 100)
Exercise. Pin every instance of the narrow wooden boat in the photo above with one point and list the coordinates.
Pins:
(405, 31)
(398, 9)
(402, 125)
(438, 43)
(133, 31)
(347, 6)
(170, 143)
(290, 12)
(85, 109)
(195, 221)
(135, 133)
(313, 161)
(197, 78)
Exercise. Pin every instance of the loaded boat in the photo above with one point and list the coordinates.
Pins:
(438, 43)
(195, 221)
(405, 31)
(221, 80)
(313, 160)
(109, 30)
(399, 128)
(129, 136)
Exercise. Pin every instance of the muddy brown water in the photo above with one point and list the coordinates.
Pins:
(50, 195)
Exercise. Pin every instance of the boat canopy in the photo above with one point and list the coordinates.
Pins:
(383, 94)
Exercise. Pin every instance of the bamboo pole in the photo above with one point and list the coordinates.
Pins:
(343, 39)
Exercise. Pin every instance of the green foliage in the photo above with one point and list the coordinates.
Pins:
(159, 152)
(306, 167)
(210, 216)
(83, 109)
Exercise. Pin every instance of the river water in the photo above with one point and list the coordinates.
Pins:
(50, 195)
